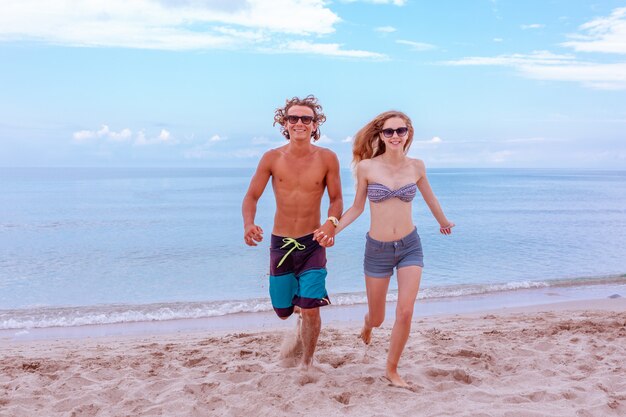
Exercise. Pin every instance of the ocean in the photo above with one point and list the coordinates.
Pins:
(85, 246)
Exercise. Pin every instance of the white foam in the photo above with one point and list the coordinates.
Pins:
(44, 317)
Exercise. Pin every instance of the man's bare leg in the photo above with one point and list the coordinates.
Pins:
(292, 343)
(311, 325)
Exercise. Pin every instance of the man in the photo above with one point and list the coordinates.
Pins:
(300, 172)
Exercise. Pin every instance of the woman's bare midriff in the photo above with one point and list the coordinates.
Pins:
(390, 220)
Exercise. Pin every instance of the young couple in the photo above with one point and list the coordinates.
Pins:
(300, 172)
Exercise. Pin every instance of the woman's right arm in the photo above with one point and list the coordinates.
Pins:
(360, 197)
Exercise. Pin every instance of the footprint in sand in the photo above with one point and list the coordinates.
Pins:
(343, 398)
(369, 380)
(200, 390)
(85, 411)
(456, 374)
(307, 379)
(192, 363)
(336, 361)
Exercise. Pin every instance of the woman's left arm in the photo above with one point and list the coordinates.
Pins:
(445, 226)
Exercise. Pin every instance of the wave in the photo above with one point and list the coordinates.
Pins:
(45, 317)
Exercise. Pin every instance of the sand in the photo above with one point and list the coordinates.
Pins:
(566, 359)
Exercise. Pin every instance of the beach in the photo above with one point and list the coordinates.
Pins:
(129, 292)
(559, 359)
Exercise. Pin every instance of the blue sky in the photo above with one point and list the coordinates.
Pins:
(488, 83)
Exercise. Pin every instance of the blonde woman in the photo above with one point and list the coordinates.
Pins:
(390, 179)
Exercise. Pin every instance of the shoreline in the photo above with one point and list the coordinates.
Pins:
(337, 315)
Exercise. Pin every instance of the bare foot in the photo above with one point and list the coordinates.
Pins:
(310, 368)
(396, 380)
(366, 334)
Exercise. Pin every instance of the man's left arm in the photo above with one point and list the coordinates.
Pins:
(335, 207)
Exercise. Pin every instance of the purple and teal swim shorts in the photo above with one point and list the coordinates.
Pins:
(297, 274)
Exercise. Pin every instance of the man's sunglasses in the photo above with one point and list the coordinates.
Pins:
(305, 119)
(401, 131)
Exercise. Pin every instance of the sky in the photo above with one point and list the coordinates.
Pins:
(194, 83)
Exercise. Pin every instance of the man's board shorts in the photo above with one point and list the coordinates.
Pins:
(381, 257)
(297, 274)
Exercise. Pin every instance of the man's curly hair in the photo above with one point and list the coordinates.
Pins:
(280, 115)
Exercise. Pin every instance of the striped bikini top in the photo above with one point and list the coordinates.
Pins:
(378, 193)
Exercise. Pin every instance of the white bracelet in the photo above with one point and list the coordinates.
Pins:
(333, 220)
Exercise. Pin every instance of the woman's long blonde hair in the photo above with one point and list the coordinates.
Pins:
(367, 143)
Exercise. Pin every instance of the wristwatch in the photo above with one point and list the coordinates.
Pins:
(333, 220)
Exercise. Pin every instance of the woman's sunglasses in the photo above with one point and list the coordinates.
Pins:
(401, 131)
(305, 119)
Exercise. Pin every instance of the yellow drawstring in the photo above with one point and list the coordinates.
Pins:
(289, 241)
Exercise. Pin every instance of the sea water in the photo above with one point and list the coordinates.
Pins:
(110, 245)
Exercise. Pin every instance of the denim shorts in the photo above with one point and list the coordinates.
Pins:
(381, 257)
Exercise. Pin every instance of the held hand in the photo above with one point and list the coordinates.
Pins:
(446, 230)
(325, 235)
(252, 234)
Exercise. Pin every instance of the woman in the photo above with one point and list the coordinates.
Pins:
(390, 179)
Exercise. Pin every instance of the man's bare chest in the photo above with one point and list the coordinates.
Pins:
(305, 176)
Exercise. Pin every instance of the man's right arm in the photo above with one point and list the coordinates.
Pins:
(252, 232)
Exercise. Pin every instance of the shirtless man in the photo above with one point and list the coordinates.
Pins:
(300, 171)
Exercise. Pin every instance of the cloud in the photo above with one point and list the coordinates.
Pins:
(498, 40)
(544, 65)
(417, 46)
(348, 139)
(394, 2)
(206, 150)
(104, 133)
(216, 138)
(533, 26)
(163, 137)
(603, 34)
(83, 136)
(260, 140)
(124, 135)
(598, 76)
(329, 49)
(515, 60)
(435, 140)
(532, 140)
(385, 29)
(325, 139)
(163, 24)
(178, 25)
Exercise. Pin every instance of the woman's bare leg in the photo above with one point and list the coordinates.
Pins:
(408, 285)
(376, 299)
